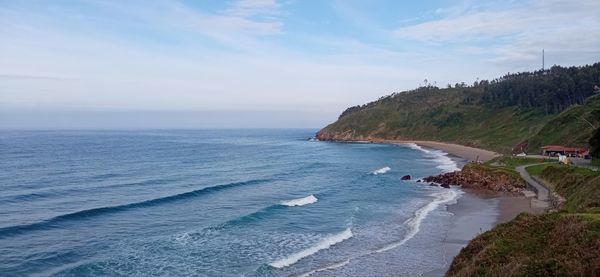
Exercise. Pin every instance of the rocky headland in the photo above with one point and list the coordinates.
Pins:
(480, 177)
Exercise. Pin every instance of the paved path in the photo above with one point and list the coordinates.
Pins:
(541, 190)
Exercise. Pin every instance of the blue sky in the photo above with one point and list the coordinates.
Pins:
(262, 63)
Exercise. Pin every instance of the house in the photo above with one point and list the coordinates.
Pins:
(555, 150)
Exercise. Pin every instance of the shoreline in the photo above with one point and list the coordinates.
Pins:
(466, 152)
(475, 211)
(473, 214)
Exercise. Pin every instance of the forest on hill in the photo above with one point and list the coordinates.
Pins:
(503, 114)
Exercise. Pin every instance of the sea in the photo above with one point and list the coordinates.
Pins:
(247, 202)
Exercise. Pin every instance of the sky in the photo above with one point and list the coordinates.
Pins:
(106, 64)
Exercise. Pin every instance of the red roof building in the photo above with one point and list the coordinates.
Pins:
(555, 150)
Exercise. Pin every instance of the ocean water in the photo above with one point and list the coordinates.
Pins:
(217, 203)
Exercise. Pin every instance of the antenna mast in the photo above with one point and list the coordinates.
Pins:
(543, 59)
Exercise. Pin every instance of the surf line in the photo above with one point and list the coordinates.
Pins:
(446, 164)
(414, 223)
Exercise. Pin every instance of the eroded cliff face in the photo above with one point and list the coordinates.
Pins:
(336, 136)
(350, 135)
(345, 136)
(480, 177)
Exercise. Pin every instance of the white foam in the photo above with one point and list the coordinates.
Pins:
(416, 147)
(448, 196)
(445, 164)
(382, 170)
(300, 201)
(414, 223)
(324, 244)
(182, 238)
(333, 266)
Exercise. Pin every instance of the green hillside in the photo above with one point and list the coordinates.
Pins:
(554, 244)
(481, 115)
(573, 127)
(442, 115)
(562, 243)
(580, 187)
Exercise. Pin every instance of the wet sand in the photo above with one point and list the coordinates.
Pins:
(475, 213)
(465, 152)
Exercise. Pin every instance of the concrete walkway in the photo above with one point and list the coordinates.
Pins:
(541, 190)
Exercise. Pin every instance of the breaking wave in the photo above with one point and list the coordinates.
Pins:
(414, 223)
(445, 163)
(382, 170)
(300, 201)
(324, 244)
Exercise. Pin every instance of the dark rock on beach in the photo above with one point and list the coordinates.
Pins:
(405, 177)
(475, 176)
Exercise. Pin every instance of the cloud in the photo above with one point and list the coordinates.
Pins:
(518, 32)
(245, 17)
(238, 56)
(246, 8)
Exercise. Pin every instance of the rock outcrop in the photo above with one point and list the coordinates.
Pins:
(475, 176)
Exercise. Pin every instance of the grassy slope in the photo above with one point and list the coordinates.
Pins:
(569, 127)
(580, 186)
(455, 115)
(490, 170)
(443, 115)
(536, 170)
(555, 244)
(511, 163)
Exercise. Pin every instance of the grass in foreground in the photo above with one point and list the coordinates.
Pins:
(556, 244)
(563, 243)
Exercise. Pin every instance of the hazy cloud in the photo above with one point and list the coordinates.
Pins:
(517, 33)
(162, 57)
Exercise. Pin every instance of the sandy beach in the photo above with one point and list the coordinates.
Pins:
(466, 152)
(476, 211)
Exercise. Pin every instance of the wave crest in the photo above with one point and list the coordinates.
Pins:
(414, 223)
(324, 244)
(382, 170)
(300, 201)
(445, 163)
(86, 214)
